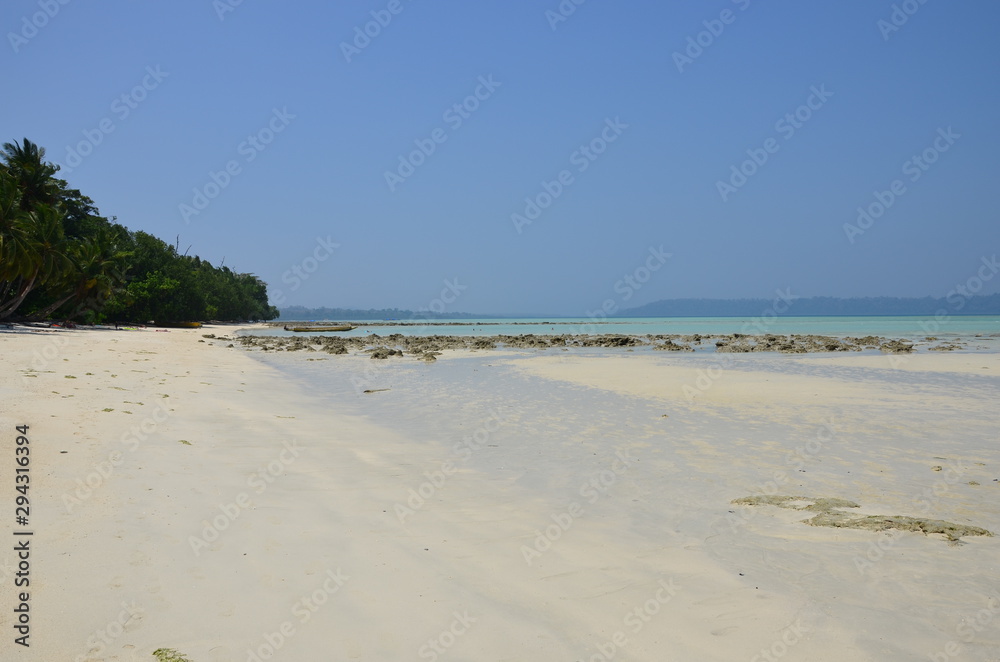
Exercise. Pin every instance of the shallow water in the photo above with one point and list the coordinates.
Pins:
(963, 327)
(545, 444)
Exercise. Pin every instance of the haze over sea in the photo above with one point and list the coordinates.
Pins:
(987, 327)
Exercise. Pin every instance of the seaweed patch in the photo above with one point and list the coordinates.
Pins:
(829, 513)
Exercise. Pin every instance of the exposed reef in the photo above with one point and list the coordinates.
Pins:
(427, 348)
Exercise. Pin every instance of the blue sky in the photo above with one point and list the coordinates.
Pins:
(206, 84)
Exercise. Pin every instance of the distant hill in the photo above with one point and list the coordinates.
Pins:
(303, 313)
(953, 304)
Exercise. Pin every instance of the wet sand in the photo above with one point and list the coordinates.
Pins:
(517, 503)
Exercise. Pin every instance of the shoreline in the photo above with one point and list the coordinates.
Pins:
(367, 525)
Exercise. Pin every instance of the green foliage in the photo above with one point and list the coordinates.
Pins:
(170, 655)
(60, 258)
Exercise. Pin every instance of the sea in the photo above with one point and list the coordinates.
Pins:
(943, 326)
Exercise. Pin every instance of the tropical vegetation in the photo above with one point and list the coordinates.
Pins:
(60, 259)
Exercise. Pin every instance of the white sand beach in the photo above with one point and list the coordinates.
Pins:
(494, 505)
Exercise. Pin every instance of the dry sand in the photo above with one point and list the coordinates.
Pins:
(575, 506)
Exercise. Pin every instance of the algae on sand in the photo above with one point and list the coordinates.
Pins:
(170, 655)
(821, 504)
(953, 532)
(830, 515)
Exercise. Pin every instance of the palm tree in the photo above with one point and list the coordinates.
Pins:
(15, 236)
(98, 269)
(46, 252)
(26, 186)
(34, 177)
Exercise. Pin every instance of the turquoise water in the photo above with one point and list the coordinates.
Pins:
(896, 327)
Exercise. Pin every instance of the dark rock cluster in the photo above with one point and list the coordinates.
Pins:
(427, 348)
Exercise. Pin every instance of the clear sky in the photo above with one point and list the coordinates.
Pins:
(141, 102)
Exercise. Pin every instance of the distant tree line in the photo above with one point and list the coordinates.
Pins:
(60, 259)
(955, 303)
(351, 314)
